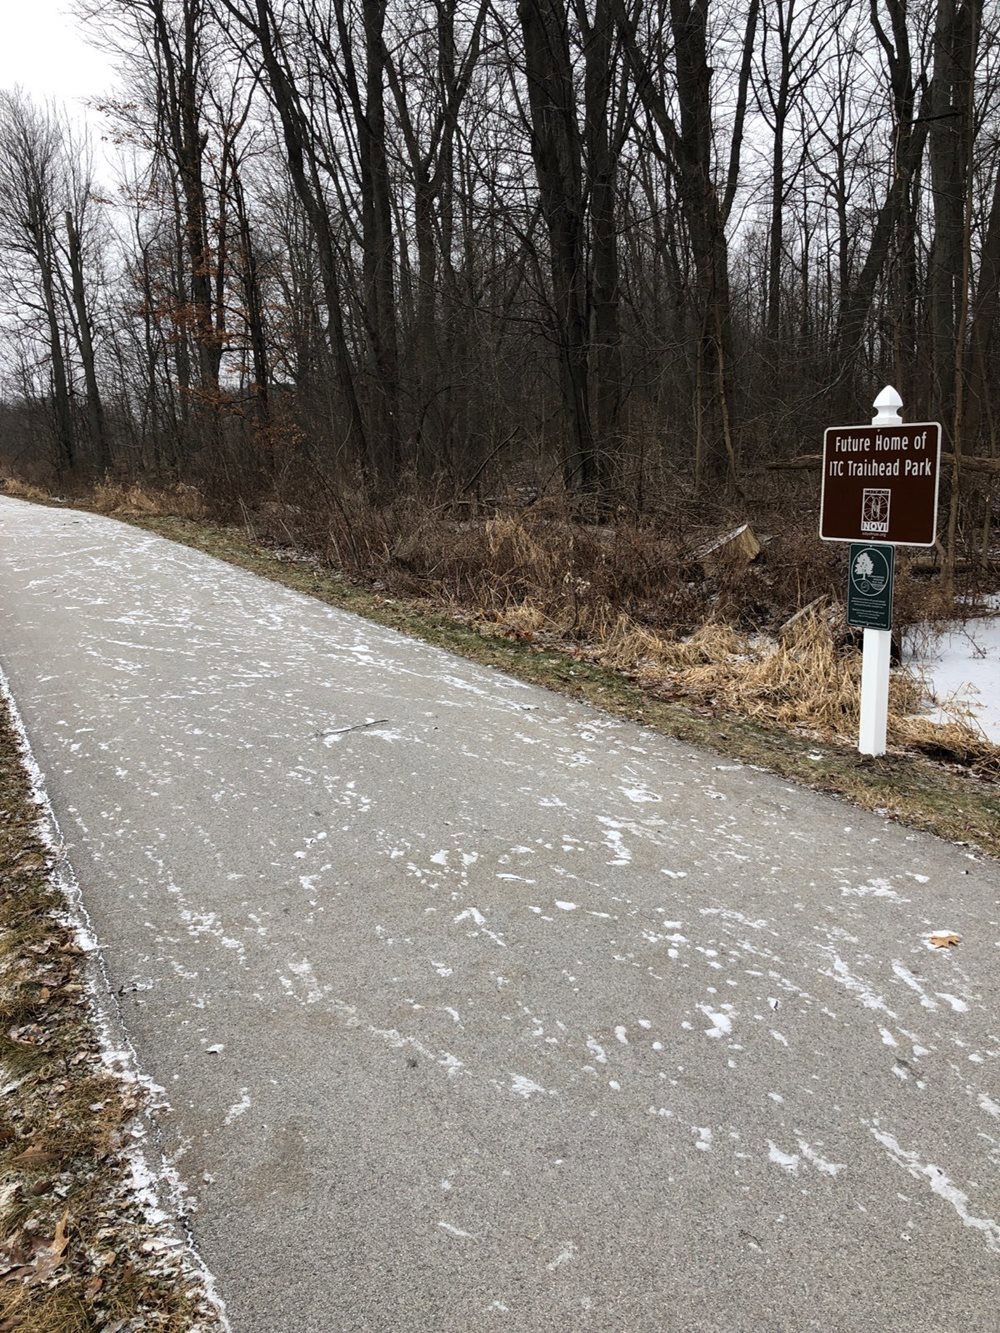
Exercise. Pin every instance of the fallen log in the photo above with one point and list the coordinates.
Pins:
(973, 463)
(738, 546)
(800, 464)
(822, 607)
(931, 564)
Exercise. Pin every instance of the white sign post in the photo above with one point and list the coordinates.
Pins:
(880, 486)
(878, 642)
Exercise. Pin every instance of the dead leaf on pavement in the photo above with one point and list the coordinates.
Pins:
(944, 939)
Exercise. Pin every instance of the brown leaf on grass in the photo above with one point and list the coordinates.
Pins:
(35, 1156)
(49, 1257)
(29, 1035)
(944, 939)
(14, 1274)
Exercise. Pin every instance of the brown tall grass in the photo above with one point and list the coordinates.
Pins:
(22, 490)
(132, 498)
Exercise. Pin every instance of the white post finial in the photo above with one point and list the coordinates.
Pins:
(887, 406)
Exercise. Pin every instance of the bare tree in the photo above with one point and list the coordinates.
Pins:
(36, 202)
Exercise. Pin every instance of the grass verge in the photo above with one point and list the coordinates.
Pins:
(77, 1250)
(925, 793)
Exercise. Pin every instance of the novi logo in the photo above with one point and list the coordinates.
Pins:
(875, 511)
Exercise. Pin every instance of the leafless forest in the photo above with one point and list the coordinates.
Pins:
(613, 251)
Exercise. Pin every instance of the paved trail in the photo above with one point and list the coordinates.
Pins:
(529, 1019)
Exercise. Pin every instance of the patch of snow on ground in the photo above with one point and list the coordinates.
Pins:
(524, 1086)
(722, 1023)
(959, 669)
(941, 1186)
(788, 1161)
(875, 888)
(564, 1256)
(820, 1163)
(239, 1108)
(456, 1231)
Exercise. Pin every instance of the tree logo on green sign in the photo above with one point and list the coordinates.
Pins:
(870, 572)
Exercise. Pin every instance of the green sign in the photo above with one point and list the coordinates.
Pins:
(869, 586)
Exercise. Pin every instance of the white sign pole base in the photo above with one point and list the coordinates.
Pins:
(878, 642)
(875, 691)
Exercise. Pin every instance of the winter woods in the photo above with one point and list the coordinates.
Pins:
(600, 245)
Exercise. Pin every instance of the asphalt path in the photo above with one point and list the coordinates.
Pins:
(478, 1009)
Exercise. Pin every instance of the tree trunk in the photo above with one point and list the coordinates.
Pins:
(556, 150)
(95, 410)
(65, 444)
(300, 151)
(911, 135)
(385, 446)
(602, 173)
(947, 164)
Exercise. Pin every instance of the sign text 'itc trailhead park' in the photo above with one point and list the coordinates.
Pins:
(880, 483)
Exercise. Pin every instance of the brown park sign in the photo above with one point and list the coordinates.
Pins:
(880, 483)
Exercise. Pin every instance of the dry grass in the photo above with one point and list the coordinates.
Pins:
(76, 1251)
(803, 681)
(134, 500)
(953, 740)
(806, 679)
(634, 648)
(23, 490)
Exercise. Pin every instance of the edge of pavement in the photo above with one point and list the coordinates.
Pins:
(139, 1204)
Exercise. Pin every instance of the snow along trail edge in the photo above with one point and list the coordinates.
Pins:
(156, 1189)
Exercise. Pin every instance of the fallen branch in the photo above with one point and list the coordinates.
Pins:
(357, 726)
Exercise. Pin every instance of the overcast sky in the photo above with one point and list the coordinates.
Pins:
(42, 49)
